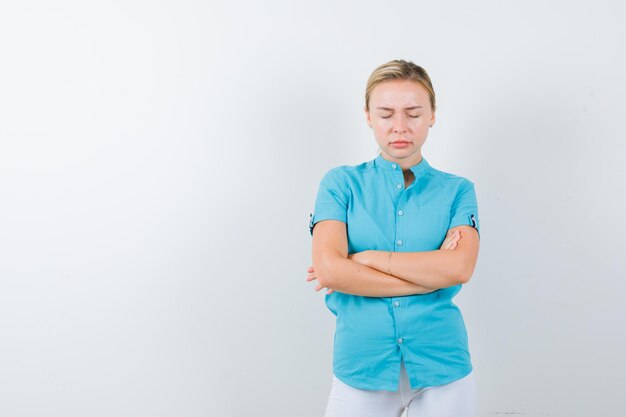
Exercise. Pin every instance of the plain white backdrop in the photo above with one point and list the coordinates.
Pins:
(159, 161)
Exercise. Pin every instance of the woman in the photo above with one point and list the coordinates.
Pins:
(394, 239)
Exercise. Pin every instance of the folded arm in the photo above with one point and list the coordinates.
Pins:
(335, 271)
(432, 269)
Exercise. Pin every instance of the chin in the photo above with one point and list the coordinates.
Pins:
(409, 150)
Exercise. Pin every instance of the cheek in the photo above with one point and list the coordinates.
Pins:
(383, 125)
(420, 123)
(378, 129)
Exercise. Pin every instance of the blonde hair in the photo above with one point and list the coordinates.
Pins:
(399, 70)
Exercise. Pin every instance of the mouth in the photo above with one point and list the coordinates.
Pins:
(400, 143)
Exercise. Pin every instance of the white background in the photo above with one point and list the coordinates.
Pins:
(159, 161)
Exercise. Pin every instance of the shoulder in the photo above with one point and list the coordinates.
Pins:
(347, 172)
(451, 180)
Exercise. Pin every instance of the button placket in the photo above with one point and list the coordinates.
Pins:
(398, 318)
(399, 232)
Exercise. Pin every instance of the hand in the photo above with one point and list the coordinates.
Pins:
(312, 277)
(451, 240)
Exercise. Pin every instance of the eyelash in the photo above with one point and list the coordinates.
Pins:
(387, 117)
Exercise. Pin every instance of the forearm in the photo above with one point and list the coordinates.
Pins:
(432, 269)
(350, 277)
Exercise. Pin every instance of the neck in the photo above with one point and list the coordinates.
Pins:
(405, 163)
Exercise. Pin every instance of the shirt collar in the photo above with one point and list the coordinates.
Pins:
(417, 169)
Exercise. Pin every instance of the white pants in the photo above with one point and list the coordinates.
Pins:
(456, 399)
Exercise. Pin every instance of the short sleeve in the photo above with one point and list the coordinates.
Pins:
(332, 200)
(465, 208)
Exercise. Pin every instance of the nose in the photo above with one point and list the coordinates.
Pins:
(400, 124)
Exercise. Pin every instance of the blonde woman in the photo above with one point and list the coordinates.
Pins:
(394, 240)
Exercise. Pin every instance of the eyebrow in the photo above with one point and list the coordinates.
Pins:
(406, 108)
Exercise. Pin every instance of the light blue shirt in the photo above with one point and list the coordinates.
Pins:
(373, 334)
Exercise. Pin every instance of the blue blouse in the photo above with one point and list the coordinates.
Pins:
(373, 334)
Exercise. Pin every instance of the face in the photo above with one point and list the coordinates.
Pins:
(400, 116)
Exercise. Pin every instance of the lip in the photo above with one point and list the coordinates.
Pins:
(400, 143)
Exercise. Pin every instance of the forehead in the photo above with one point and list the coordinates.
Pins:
(399, 93)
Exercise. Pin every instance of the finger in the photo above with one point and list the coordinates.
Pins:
(318, 287)
(452, 242)
(311, 278)
(310, 269)
(330, 291)
(452, 234)
(447, 243)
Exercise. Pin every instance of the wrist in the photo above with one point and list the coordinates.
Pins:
(366, 258)
(379, 260)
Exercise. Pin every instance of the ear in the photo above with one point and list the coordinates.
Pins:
(432, 119)
(368, 118)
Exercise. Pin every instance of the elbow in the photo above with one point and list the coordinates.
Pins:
(325, 272)
(463, 278)
(465, 273)
(324, 279)
(464, 270)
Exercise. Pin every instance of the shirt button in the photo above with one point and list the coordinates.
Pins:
(394, 166)
(400, 212)
(400, 340)
(399, 186)
(396, 303)
(399, 242)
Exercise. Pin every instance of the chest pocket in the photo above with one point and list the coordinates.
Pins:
(428, 226)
